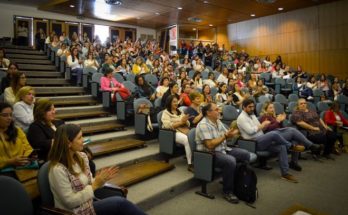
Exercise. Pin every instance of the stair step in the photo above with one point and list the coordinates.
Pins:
(58, 90)
(28, 52)
(78, 115)
(110, 126)
(98, 149)
(72, 100)
(18, 47)
(139, 172)
(26, 56)
(36, 67)
(47, 81)
(42, 74)
(31, 61)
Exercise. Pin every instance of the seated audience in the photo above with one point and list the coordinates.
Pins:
(163, 87)
(144, 89)
(41, 131)
(109, 83)
(18, 81)
(207, 97)
(6, 81)
(174, 119)
(184, 96)
(4, 62)
(172, 90)
(210, 80)
(71, 180)
(194, 111)
(197, 80)
(251, 129)
(23, 108)
(75, 62)
(91, 62)
(318, 131)
(14, 146)
(139, 67)
(222, 97)
(211, 136)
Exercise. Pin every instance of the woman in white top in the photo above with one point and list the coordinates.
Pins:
(197, 80)
(71, 180)
(211, 80)
(223, 77)
(63, 50)
(164, 86)
(173, 118)
(18, 81)
(124, 67)
(91, 62)
(222, 98)
(4, 62)
(199, 67)
(22, 34)
(76, 64)
(23, 108)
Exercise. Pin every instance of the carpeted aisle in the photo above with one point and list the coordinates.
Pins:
(323, 187)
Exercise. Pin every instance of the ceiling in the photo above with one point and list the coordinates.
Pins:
(161, 13)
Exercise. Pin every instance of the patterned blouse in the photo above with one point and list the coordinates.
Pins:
(310, 117)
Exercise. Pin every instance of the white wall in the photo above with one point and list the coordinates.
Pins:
(7, 11)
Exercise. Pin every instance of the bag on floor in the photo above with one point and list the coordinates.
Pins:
(245, 183)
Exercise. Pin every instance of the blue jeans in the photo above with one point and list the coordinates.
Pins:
(78, 72)
(295, 136)
(282, 152)
(270, 138)
(227, 162)
(116, 206)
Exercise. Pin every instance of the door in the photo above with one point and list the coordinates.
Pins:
(23, 31)
(89, 30)
(115, 33)
(57, 27)
(71, 28)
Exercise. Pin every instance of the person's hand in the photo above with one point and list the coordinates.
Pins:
(185, 118)
(232, 132)
(315, 128)
(339, 123)
(19, 161)
(103, 176)
(265, 123)
(281, 117)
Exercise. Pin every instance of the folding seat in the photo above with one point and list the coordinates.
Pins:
(293, 97)
(151, 79)
(140, 119)
(322, 106)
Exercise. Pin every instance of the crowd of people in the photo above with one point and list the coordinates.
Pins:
(203, 78)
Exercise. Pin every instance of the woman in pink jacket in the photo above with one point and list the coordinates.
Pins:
(109, 83)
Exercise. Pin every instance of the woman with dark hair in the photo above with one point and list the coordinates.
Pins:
(109, 83)
(172, 90)
(41, 131)
(18, 81)
(14, 146)
(6, 81)
(207, 97)
(163, 87)
(222, 97)
(143, 88)
(75, 62)
(173, 118)
(210, 80)
(71, 181)
(197, 80)
(4, 62)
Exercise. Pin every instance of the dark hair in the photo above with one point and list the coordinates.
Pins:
(206, 108)
(211, 73)
(13, 64)
(41, 107)
(220, 86)
(16, 77)
(3, 51)
(334, 105)
(72, 53)
(107, 70)
(11, 131)
(162, 80)
(247, 102)
(168, 104)
(195, 75)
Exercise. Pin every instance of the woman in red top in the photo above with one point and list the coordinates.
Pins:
(335, 118)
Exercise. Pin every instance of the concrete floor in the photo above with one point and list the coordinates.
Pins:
(322, 186)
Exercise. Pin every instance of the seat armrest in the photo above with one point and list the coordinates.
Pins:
(106, 98)
(55, 211)
(203, 163)
(166, 140)
(140, 123)
(249, 145)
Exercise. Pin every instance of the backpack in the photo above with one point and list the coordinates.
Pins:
(245, 181)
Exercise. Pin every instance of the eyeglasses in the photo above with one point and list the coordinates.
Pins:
(6, 115)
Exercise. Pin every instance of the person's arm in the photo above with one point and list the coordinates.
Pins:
(213, 143)
(27, 149)
(20, 115)
(274, 124)
(62, 188)
(38, 139)
(105, 84)
(250, 126)
(329, 118)
(324, 125)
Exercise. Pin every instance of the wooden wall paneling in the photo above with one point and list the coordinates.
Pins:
(334, 13)
(308, 60)
(333, 37)
(334, 62)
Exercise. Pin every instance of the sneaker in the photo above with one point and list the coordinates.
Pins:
(295, 166)
(297, 148)
(190, 168)
(231, 198)
(310, 98)
(289, 178)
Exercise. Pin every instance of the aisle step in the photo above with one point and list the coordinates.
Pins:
(101, 127)
(42, 74)
(21, 51)
(25, 56)
(138, 172)
(37, 67)
(31, 61)
(77, 115)
(72, 100)
(58, 90)
(47, 82)
(108, 147)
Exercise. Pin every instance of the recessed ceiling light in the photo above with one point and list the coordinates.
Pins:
(138, 18)
(157, 13)
(179, 8)
(205, 2)
(193, 29)
(280, 8)
(252, 15)
(211, 25)
(72, 5)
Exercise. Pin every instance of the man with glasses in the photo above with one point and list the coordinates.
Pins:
(211, 136)
(250, 128)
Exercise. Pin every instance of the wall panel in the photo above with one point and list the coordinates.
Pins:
(315, 37)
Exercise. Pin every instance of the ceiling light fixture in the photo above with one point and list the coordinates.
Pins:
(266, 1)
(72, 6)
(179, 8)
(211, 25)
(280, 8)
(205, 2)
(157, 13)
(114, 2)
(193, 29)
(252, 15)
